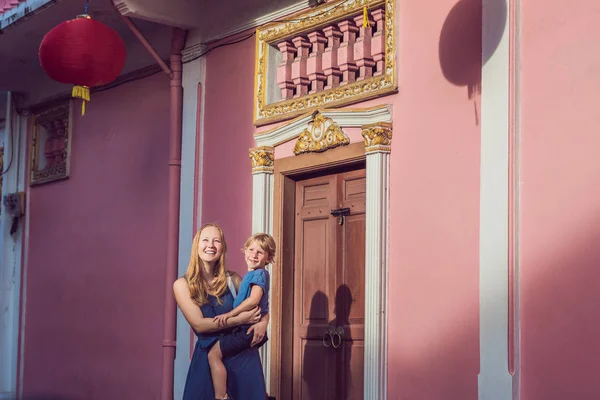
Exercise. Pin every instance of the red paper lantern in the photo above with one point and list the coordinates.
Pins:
(82, 52)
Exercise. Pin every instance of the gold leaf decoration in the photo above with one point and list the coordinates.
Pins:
(262, 159)
(267, 112)
(378, 138)
(322, 134)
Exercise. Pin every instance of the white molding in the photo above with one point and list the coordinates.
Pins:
(265, 19)
(192, 52)
(191, 80)
(494, 380)
(516, 108)
(11, 254)
(23, 11)
(377, 234)
(376, 274)
(347, 118)
(262, 201)
(262, 221)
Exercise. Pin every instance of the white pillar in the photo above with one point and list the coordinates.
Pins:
(10, 251)
(494, 380)
(262, 221)
(190, 194)
(377, 149)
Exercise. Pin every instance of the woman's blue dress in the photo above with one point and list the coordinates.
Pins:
(245, 379)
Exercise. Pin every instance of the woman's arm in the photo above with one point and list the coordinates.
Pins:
(194, 316)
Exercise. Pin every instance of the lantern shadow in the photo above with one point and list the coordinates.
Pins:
(461, 51)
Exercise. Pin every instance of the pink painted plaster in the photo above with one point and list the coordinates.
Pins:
(559, 168)
(228, 136)
(6, 5)
(96, 254)
(433, 337)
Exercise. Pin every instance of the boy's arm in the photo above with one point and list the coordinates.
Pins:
(248, 304)
(252, 301)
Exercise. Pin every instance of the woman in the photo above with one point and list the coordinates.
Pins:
(203, 293)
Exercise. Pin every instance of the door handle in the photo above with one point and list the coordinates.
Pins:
(327, 338)
(337, 336)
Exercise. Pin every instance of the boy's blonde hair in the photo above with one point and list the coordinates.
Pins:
(265, 241)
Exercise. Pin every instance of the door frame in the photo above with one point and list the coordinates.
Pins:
(273, 199)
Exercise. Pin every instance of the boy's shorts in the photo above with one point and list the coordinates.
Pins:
(238, 340)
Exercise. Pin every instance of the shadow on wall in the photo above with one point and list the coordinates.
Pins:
(343, 304)
(460, 47)
(557, 329)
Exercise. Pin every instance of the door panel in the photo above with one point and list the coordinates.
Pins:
(350, 298)
(328, 332)
(314, 280)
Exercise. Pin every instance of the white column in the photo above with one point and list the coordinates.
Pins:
(262, 221)
(10, 251)
(377, 149)
(262, 202)
(494, 380)
(191, 187)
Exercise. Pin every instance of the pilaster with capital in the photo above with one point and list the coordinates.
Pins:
(378, 140)
(263, 161)
(378, 137)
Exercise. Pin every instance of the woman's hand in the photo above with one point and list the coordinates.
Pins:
(259, 330)
(250, 317)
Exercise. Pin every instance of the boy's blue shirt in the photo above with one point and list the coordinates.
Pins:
(258, 277)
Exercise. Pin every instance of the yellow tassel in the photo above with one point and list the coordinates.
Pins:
(83, 93)
(366, 23)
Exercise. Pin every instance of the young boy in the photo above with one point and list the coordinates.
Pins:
(259, 250)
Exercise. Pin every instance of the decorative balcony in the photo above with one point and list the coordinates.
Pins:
(325, 57)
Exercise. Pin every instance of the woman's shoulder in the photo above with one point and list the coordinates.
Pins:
(181, 284)
(234, 276)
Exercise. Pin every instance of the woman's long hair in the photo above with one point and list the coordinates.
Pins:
(199, 288)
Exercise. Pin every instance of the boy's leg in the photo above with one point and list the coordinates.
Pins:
(237, 341)
(218, 371)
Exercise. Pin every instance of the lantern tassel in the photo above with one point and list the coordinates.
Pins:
(83, 93)
(366, 23)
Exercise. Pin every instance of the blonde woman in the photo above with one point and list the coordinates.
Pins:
(204, 293)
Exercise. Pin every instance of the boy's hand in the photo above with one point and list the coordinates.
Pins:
(221, 320)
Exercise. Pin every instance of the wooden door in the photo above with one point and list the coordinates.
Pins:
(328, 332)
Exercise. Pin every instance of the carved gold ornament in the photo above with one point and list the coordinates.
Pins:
(378, 138)
(262, 159)
(351, 93)
(322, 134)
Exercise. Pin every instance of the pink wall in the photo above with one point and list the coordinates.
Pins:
(560, 197)
(228, 135)
(433, 335)
(434, 323)
(96, 259)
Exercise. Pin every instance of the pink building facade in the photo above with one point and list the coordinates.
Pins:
(479, 278)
